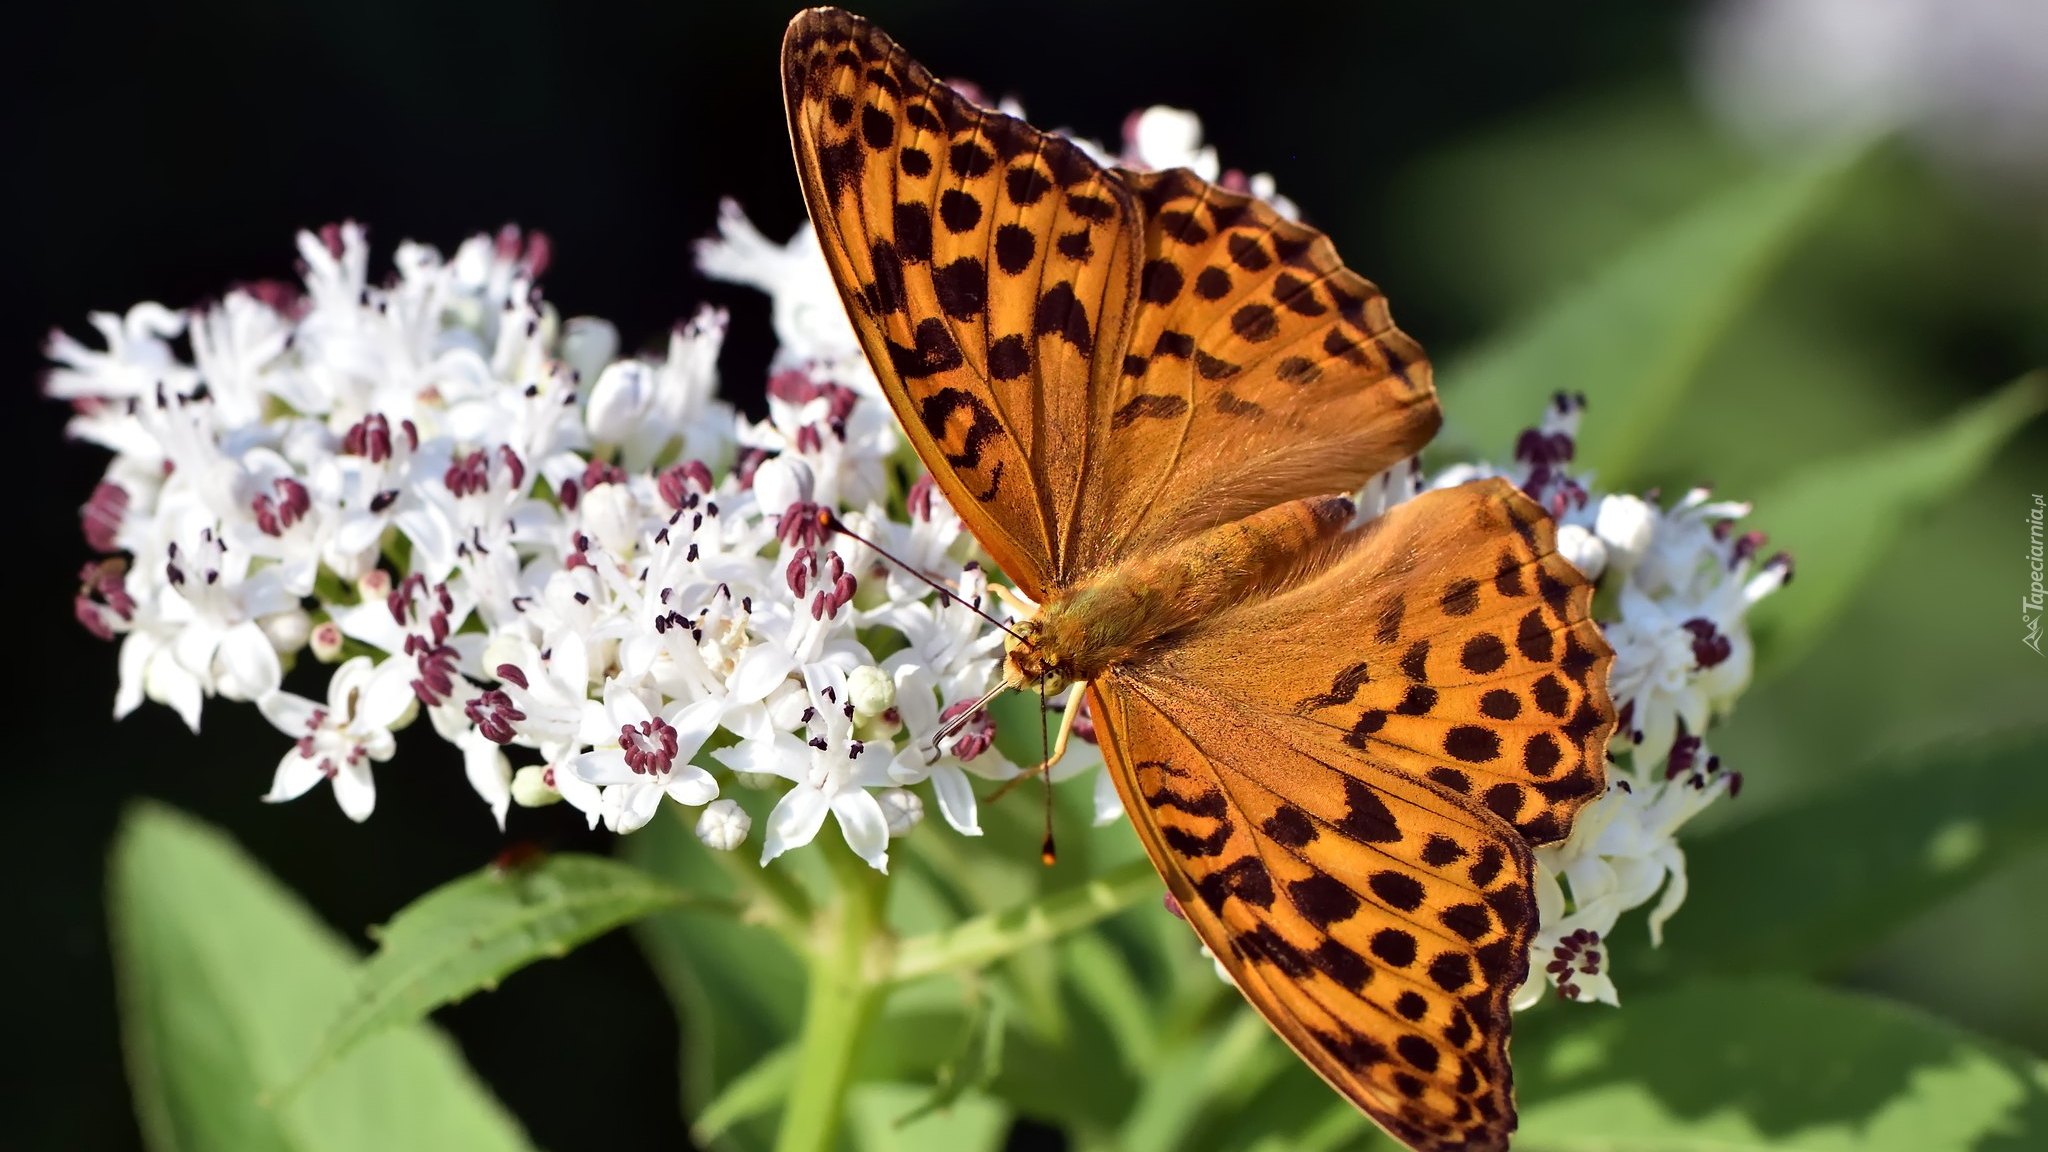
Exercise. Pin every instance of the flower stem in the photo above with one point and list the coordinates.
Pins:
(845, 989)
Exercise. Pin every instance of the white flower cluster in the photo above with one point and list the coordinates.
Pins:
(480, 512)
(1673, 587)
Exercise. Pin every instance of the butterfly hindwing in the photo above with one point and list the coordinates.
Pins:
(1348, 790)
(1447, 639)
(1377, 924)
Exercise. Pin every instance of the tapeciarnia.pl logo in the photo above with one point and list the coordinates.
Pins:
(2031, 604)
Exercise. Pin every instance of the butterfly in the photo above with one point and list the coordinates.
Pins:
(1146, 396)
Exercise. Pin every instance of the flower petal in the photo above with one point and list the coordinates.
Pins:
(956, 800)
(296, 775)
(606, 766)
(796, 820)
(355, 791)
(691, 786)
(865, 826)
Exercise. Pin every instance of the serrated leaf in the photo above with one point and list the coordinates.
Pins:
(1839, 516)
(1769, 1065)
(469, 934)
(1633, 338)
(1808, 887)
(227, 983)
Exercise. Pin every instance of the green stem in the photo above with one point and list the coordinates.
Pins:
(845, 989)
(972, 943)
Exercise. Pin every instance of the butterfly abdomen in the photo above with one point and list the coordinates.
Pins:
(1117, 616)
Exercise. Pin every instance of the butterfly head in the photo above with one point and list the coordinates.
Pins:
(1032, 661)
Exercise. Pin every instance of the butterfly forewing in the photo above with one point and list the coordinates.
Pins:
(988, 268)
(1259, 370)
(1094, 361)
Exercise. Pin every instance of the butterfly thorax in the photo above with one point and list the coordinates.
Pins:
(1117, 615)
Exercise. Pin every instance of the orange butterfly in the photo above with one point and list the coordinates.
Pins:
(1337, 742)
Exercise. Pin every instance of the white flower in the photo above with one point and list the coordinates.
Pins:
(337, 741)
(724, 825)
(639, 757)
(811, 328)
(970, 748)
(831, 770)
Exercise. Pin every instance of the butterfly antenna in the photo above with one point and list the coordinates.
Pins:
(831, 523)
(1045, 849)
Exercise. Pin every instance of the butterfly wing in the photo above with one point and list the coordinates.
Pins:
(1258, 370)
(947, 228)
(1334, 785)
(1090, 361)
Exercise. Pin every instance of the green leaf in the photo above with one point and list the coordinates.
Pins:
(1808, 887)
(1634, 337)
(227, 983)
(470, 933)
(1766, 1064)
(737, 986)
(1840, 516)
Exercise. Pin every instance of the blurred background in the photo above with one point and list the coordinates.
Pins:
(1474, 160)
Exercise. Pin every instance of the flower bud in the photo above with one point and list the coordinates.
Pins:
(530, 787)
(871, 690)
(326, 641)
(1583, 549)
(903, 809)
(1625, 525)
(588, 344)
(374, 586)
(724, 825)
(618, 401)
(610, 514)
(287, 631)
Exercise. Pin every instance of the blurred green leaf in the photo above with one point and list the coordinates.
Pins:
(1633, 338)
(972, 1066)
(737, 986)
(758, 1091)
(227, 983)
(470, 933)
(1199, 1084)
(876, 1120)
(1809, 886)
(1770, 1064)
(1840, 516)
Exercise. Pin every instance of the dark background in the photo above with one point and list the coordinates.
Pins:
(164, 151)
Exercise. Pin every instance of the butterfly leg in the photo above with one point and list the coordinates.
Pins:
(1059, 745)
(1013, 600)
